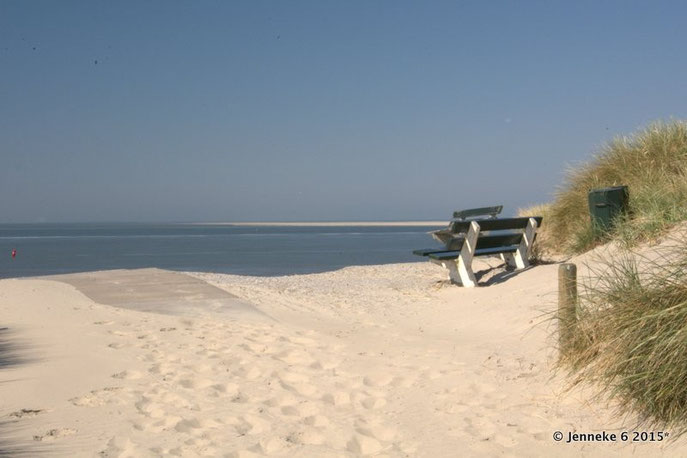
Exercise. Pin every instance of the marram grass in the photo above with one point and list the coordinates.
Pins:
(631, 337)
(652, 163)
(631, 332)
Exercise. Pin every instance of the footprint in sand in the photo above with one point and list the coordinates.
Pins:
(150, 408)
(55, 434)
(268, 446)
(296, 383)
(257, 348)
(127, 375)
(161, 369)
(378, 380)
(373, 403)
(240, 398)
(338, 398)
(251, 424)
(379, 432)
(97, 397)
(244, 454)
(166, 423)
(224, 389)
(299, 340)
(364, 445)
(319, 421)
(294, 357)
(172, 399)
(325, 365)
(195, 383)
(306, 436)
(303, 409)
(301, 388)
(251, 373)
(189, 426)
(26, 413)
(119, 446)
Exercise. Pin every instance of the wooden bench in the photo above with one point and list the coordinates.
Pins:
(509, 238)
(472, 212)
(446, 235)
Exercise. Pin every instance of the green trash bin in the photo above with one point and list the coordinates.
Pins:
(606, 204)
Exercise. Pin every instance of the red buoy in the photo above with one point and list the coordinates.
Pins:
(14, 252)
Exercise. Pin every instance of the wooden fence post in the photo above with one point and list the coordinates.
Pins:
(567, 306)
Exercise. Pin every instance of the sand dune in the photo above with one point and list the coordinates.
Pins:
(374, 361)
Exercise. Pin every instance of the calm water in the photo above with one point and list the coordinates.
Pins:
(44, 249)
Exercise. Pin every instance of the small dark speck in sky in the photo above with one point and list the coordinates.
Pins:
(95, 62)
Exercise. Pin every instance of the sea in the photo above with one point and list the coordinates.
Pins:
(48, 249)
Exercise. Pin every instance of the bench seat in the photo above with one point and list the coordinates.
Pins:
(428, 251)
(446, 255)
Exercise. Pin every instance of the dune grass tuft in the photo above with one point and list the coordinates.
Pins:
(631, 332)
(631, 336)
(651, 162)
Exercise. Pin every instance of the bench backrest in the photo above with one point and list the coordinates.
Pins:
(472, 212)
(503, 224)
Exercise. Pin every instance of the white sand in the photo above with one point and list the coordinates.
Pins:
(376, 360)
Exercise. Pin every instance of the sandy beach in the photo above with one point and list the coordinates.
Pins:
(365, 361)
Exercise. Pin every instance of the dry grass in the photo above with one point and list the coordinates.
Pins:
(652, 162)
(631, 331)
(631, 336)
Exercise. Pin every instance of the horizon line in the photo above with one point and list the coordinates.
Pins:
(255, 223)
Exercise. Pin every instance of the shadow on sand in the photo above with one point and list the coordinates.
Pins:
(14, 439)
(13, 351)
(501, 273)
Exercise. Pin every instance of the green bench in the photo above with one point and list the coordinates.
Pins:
(446, 235)
(509, 238)
(472, 212)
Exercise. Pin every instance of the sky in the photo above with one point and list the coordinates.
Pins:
(319, 110)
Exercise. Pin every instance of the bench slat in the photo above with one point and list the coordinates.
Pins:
(495, 224)
(493, 211)
(427, 251)
(446, 255)
(496, 241)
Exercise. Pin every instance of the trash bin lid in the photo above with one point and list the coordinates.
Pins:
(611, 188)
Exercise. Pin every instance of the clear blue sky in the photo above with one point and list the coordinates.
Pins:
(321, 110)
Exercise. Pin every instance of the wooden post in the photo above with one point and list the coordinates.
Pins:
(567, 306)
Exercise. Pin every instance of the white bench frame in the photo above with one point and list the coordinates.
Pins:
(460, 270)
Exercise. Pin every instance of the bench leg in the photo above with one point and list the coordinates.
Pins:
(452, 268)
(467, 277)
(462, 268)
(523, 253)
(459, 274)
